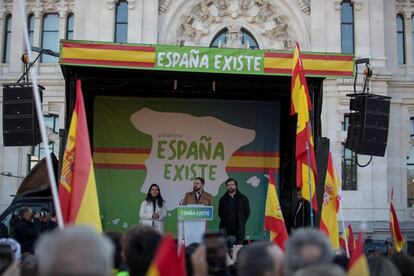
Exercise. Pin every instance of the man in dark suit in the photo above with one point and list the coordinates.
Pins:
(234, 211)
(301, 217)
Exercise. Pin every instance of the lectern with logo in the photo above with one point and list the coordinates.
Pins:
(193, 219)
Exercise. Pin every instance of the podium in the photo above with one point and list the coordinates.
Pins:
(192, 219)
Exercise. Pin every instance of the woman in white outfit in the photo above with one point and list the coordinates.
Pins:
(153, 211)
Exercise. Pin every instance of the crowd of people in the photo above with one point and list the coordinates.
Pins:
(80, 250)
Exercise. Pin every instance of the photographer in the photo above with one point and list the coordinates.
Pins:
(27, 229)
(47, 220)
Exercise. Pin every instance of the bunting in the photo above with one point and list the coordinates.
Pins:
(306, 173)
(77, 188)
(166, 261)
(358, 264)
(395, 226)
(330, 205)
(274, 222)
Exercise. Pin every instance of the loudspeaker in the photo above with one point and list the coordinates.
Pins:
(368, 124)
(20, 124)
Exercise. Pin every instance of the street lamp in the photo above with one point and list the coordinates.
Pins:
(9, 174)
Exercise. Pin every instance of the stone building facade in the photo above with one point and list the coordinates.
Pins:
(377, 27)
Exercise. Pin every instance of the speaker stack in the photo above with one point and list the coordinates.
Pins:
(368, 124)
(20, 124)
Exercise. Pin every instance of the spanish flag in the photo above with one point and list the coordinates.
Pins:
(395, 226)
(306, 174)
(350, 240)
(330, 205)
(358, 264)
(166, 261)
(274, 222)
(77, 187)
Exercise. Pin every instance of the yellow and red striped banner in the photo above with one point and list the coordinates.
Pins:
(77, 187)
(199, 59)
(274, 221)
(134, 158)
(330, 205)
(306, 171)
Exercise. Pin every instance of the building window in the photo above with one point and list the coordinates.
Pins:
(50, 36)
(38, 152)
(347, 27)
(30, 27)
(400, 39)
(349, 165)
(121, 22)
(7, 39)
(69, 26)
(246, 39)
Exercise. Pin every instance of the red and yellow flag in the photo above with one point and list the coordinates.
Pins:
(166, 261)
(358, 264)
(274, 222)
(306, 174)
(350, 239)
(395, 226)
(330, 206)
(77, 188)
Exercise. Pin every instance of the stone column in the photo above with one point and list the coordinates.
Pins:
(408, 40)
(62, 23)
(135, 21)
(150, 22)
(17, 40)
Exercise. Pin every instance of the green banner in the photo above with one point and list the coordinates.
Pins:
(140, 141)
(218, 60)
(195, 212)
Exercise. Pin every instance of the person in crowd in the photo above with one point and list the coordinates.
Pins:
(47, 220)
(404, 263)
(116, 237)
(301, 217)
(321, 270)
(381, 266)
(198, 195)
(139, 246)
(27, 229)
(28, 265)
(189, 250)
(260, 258)
(342, 261)
(76, 250)
(233, 211)
(305, 247)
(4, 231)
(153, 210)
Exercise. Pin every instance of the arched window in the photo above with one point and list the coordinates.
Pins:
(121, 22)
(347, 27)
(30, 27)
(50, 36)
(246, 39)
(7, 39)
(69, 26)
(400, 39)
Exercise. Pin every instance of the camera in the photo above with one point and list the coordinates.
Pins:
(216, 251)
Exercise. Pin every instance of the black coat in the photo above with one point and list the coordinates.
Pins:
(243, 212)
(26, 233)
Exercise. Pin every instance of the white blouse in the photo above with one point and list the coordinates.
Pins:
(145, 215)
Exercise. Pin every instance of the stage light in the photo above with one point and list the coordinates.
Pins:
(44, 51)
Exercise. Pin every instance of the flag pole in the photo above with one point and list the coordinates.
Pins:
(33, 75)
(344, 230)
(309, 182)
